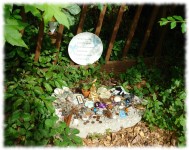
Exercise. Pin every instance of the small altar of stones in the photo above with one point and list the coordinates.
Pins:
(115, 108)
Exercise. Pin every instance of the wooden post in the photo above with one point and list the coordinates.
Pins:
(132, 30)
(58, 41)
(148, 30)
(100, 20)
(82, 18)
(23, 15)
(39, 40)
(114, 33)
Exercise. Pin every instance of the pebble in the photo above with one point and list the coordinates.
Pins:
(89, 104)
(117, 98)
(103, 93)
(85, 117)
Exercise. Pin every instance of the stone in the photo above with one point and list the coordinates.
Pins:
(89, 104)
(104, 123)
(85, 117)
(103, 93)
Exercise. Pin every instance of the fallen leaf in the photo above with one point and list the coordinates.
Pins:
(141, 134)
(136, 139)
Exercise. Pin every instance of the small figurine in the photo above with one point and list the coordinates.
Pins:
(93, 93)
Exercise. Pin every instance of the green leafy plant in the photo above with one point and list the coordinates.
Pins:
(64, 14)
(174, 20)
(30, 118)
(165, 106)
(13, 26)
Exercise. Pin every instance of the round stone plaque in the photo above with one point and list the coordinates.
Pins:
(85, 48)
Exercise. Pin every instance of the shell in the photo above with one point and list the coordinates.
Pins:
(117, 98)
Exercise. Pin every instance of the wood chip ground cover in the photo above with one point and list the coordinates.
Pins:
(139, 135)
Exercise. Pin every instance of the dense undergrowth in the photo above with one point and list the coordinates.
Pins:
(29, 114)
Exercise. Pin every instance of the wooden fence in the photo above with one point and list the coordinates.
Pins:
(117, 66)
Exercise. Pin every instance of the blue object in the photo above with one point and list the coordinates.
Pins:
(122, 114)
(127, 102)
(95, 109)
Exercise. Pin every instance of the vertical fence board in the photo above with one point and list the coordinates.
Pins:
(148, 30)
(82, 18)
(158, 49)
(23, 15)
(58, 41)
(132, 30)
(114, 33)
(39, 40)
(100, 20)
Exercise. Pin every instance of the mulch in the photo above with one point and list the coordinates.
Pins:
(139, 135)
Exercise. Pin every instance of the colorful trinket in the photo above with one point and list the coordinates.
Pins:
(102, 105)
(122, 114)
(96, 104)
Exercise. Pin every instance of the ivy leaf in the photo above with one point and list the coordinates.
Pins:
(16, 115)
(26, 106)
(170, 18)
(48, 75)
(76, 139)
(154, 96)
(33, 9)
(162, 23)
(17, 103)
(61, 17)
(48, 87)
(71, 18)
(62, 82)
(48, 13)
(50, 98)
(27, 125)
(74, 9)
(50, 122)
(182, 120)
(54, 10)
(183, 27)
(178, 18)
(173, 24)
(163, 19)
(49, 106)
(38, 90)
(58, 85)
(26, 117)
(13, 36)
(7, 10)
(74, 131)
